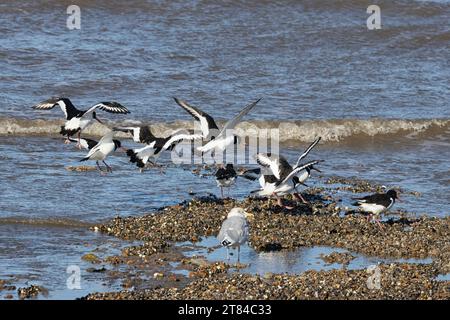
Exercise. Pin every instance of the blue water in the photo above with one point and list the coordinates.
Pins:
(290, 262)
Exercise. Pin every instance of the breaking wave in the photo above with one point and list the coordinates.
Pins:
(333, 130)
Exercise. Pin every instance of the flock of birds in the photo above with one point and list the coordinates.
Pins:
(276, 176)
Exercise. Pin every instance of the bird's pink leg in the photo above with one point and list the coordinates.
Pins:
(108, 168)
(79, 140)
(67, 141)
(377, 220)
(99, 168)
(299, 196)
(379, 224)
(280, 203)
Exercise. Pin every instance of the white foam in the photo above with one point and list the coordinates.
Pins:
(306, 131)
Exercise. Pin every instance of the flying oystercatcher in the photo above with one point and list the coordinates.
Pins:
(77, 120)
(281, 167)
(283, 178)
(216, 140)
(141, 134)
(155, 145)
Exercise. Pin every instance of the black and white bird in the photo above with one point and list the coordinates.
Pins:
(88, 144)
(304, 175)
(234, 231)
(216, 140)
(77, 120)
(377, 203)
(155, 145)
(278, 164)
(283, 178)
(226, 176)
(208, 126)
(84, 143)
(140, 134)
(102, 150)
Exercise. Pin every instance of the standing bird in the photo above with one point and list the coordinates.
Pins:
(377, 203)
(155, 145)
(209, 128)
(226, 176)
(102, 150)
(77, 120)
(234, 230)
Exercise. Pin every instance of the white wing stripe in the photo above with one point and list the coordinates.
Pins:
(305, 153)
(273, 164)
(178, 137)
(298, 169)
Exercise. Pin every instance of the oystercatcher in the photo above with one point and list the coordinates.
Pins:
(141, 134)
(155, 145)
(77, 120)
(283, 178)
(217, 140)
(88, 144)
(102, 150)
(281, 166)
(208, 126)
(226, 176)
(377, 203)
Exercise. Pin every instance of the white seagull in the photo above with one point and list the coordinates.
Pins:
(305, 174)
(102, 150)
(77, 120)
(234, 231)
(209, 128)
